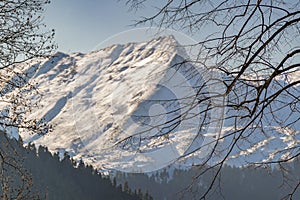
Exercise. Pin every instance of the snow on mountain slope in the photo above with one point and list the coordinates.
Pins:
(133, 107)
(93, 101)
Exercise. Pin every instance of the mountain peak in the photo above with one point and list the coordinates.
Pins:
(92, 101)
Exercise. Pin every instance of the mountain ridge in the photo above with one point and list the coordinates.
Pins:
(112, 108)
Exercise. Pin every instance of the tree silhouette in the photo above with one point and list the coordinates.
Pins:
(254, 45)
(22, 39)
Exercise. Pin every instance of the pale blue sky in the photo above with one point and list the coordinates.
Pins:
(81, 25)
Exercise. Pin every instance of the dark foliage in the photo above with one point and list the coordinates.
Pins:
(49, 178)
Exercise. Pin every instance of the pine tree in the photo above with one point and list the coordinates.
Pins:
(114, 182)
(126, 188)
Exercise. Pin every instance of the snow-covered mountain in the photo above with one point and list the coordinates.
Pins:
(134, 107)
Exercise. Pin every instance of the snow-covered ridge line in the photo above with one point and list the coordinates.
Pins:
(95, 100)
(79, 89)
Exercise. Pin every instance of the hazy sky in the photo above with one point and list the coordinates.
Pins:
(81, 25)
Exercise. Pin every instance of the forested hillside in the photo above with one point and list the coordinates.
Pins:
(38, 174)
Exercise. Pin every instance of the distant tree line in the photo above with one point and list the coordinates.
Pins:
(245, 183)
(45, 176)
